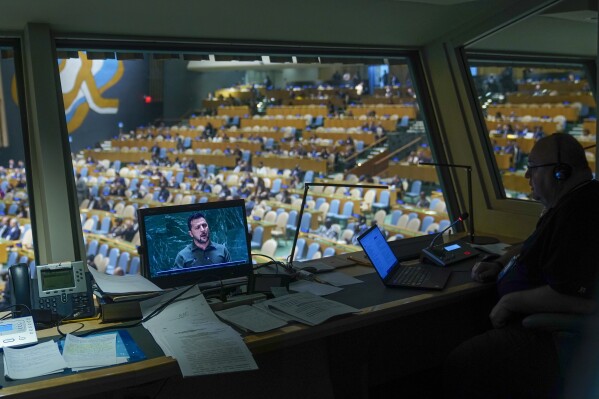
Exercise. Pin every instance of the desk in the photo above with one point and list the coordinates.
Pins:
(384, 341)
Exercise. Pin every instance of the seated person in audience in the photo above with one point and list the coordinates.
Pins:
(359, 229)
(554, 271)
(118, 271)
(423, 202)
(12, 232)
(81, 187)
(538, 133)
(117, 227)
(201, 251)
(261, 169)
(118, 189)
(128, 230)
(327, 231)
(164, 193)
(4, 225)
(23, 210)
(90, 261)
(261, 192)
(285, 196)
(101, 204)
(587, 136)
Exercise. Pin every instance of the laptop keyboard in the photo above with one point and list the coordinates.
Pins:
(412, 276)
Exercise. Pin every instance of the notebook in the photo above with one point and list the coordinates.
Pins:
(392, 272)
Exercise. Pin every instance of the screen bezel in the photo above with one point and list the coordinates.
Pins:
(198, 276)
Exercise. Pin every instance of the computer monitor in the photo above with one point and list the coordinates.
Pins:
(216, 247)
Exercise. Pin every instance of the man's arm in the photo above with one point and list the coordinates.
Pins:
(484, 271)
(543, 299)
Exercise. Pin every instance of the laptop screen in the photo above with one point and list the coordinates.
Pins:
(195, 243)
(378, 251)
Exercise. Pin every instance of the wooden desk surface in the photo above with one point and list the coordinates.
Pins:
(381, 306)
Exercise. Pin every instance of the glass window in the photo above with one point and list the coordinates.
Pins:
(16, 234)
(523, 102)
(154, 128)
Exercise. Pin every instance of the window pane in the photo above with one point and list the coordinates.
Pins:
(150, 129)
(16, 235)
(522, 103)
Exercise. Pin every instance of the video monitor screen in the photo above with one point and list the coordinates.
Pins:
(195, 243)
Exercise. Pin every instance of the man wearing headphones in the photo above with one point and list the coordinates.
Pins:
(554, 270)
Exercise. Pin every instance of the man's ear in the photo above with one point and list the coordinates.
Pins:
(189, 232)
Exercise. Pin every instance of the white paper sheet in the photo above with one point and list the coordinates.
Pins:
(131, 283)
(310, 308)
(251, 318)
(88, 352)
(313, 287)
(33, 361)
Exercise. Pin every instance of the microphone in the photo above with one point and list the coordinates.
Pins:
(473, 239)
(462, 217)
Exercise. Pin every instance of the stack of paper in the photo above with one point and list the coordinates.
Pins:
(188, 330)
(251, 318)
(78, 354)
(33, 361)
(306, 308)
(131, 286)
(91, 352)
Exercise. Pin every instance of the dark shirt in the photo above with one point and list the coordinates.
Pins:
(192, 255)
(561, 252)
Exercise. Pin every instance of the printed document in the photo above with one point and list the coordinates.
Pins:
(89, 352)
(251, 318)
(189, 331)
(33, 361)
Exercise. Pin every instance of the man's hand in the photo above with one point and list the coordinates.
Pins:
(500, 314)
(486, 271)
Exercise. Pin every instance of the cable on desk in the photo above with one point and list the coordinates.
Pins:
(59, 322)
(5, 317)
(273, 261)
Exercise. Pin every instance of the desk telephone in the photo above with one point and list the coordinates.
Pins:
(57, 291)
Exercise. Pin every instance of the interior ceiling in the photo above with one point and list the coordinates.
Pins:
(568, 28)
(396, 23)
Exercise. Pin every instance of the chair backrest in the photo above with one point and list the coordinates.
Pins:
(384, 197)
(312, 248)
(129, 212)
(347, 235)
(412, 215)
(292, 219)
(403, 220)
(92, 248)
(269, 247)
(369, 196)
(123, 262)
(317, 255)
(319, 202)
(281, 221)
(443, 224)
(434, 203)
(329, 251)
(270, 216)
(12, 258)
(432, 228)
(395, 215)
(299, 249)
(334, 207)
(440, 207)
(257, 234)
(305, 224)
(379, 216)
(414, 224)
(134, 265)
(426, 221)
(89, 225)
(348, 208)
(416, 185)
(103, 250)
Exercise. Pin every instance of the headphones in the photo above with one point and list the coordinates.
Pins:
(561, 171)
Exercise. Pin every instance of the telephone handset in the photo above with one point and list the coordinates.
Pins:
(57, 291)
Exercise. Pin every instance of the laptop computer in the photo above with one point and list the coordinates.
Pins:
(392, 272)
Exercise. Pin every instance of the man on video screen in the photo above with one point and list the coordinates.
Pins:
(201, 251)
